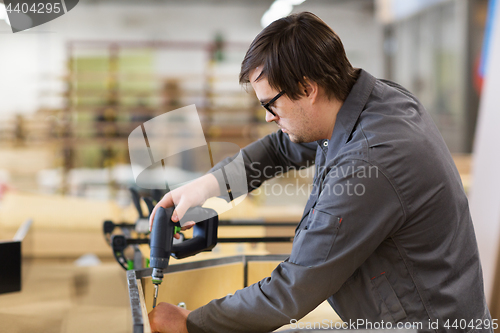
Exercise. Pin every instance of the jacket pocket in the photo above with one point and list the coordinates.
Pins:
(391, 308)
(313, 243)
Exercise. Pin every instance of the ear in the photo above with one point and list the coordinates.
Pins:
(310, 90)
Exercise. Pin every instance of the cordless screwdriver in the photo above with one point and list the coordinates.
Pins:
(162, 236)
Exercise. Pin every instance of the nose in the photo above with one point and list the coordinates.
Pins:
(270, 117)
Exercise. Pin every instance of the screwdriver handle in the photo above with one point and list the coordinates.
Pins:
(162, 235)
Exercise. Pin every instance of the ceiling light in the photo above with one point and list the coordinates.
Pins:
(3, 14)
(277, 10)
(294, 2)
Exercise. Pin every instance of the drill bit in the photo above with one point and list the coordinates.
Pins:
(156, 295)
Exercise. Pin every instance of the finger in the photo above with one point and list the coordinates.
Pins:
(165, 202)
(152, 217)
(188, 225)
(177, 236)
(179, 211)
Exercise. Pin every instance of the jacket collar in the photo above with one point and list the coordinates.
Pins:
(349, 112)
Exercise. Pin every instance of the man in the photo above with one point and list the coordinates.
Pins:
(386, 235)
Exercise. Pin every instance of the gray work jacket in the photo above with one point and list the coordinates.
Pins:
(386, 235)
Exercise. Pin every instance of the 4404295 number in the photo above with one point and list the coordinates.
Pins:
(36, 8)
(463, 324)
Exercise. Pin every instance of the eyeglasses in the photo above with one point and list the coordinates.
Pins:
(268, 104)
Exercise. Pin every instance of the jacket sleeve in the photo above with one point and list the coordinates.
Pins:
(264, 159)
(353, 215)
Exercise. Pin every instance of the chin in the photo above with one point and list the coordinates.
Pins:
(296, 139)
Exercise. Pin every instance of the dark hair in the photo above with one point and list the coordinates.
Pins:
(297, 46)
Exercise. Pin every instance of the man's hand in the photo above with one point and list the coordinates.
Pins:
(190, 195)
(168, 318)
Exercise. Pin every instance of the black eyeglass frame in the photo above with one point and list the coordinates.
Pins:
(266, 105)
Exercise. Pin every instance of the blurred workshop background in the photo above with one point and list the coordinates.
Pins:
(73, 89)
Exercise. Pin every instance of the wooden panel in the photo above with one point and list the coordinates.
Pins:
(196, 287)
(280, 248)
(258, 270)
(145, 317)
(463, 163)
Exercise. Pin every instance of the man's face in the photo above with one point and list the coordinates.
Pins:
(293, 117)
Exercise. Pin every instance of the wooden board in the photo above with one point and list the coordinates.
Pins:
(196, 287)
(258, 270)
(145, 317)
